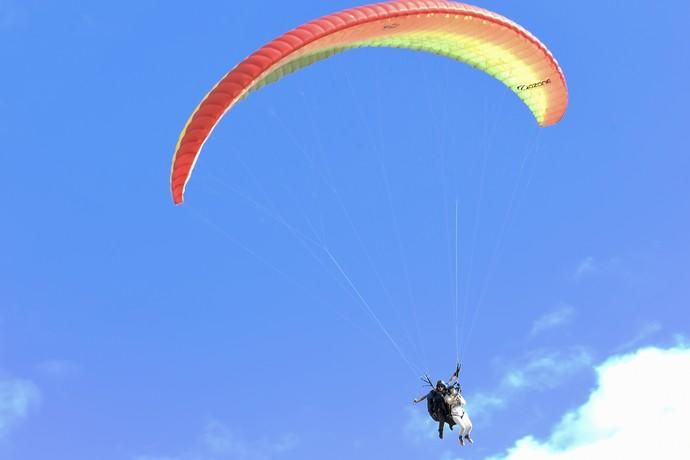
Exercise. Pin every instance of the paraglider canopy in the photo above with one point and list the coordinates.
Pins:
(480, 38)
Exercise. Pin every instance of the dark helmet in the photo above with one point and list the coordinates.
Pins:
(441, 384)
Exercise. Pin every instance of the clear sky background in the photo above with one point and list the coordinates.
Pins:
(131, 329)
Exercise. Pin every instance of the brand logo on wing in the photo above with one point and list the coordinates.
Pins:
(534, 85)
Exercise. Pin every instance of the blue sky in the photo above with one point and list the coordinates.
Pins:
(131, 329)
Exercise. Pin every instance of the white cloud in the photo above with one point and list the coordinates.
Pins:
(484, 403)
(553, 319)
(285, 443)
(10, 15)
(647, 331)
(450, 456)
(638, 410)
(220, 442)
(547, 369)
(17, 399)
(146, 457)
(420, 427)
(586, 266)
(59, 369)
(538, 370)
(626, 270)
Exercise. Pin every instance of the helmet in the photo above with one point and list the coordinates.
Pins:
(441, 384)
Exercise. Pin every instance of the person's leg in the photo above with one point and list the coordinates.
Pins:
(461, 426)
(468, 431)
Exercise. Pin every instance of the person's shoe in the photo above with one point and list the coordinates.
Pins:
(462, 441)
(469, 439)
(440, 434)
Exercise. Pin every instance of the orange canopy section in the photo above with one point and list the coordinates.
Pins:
(468, 34)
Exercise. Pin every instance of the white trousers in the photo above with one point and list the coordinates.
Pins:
(462, 419)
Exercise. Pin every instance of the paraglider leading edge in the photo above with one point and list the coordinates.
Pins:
(468, 34)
